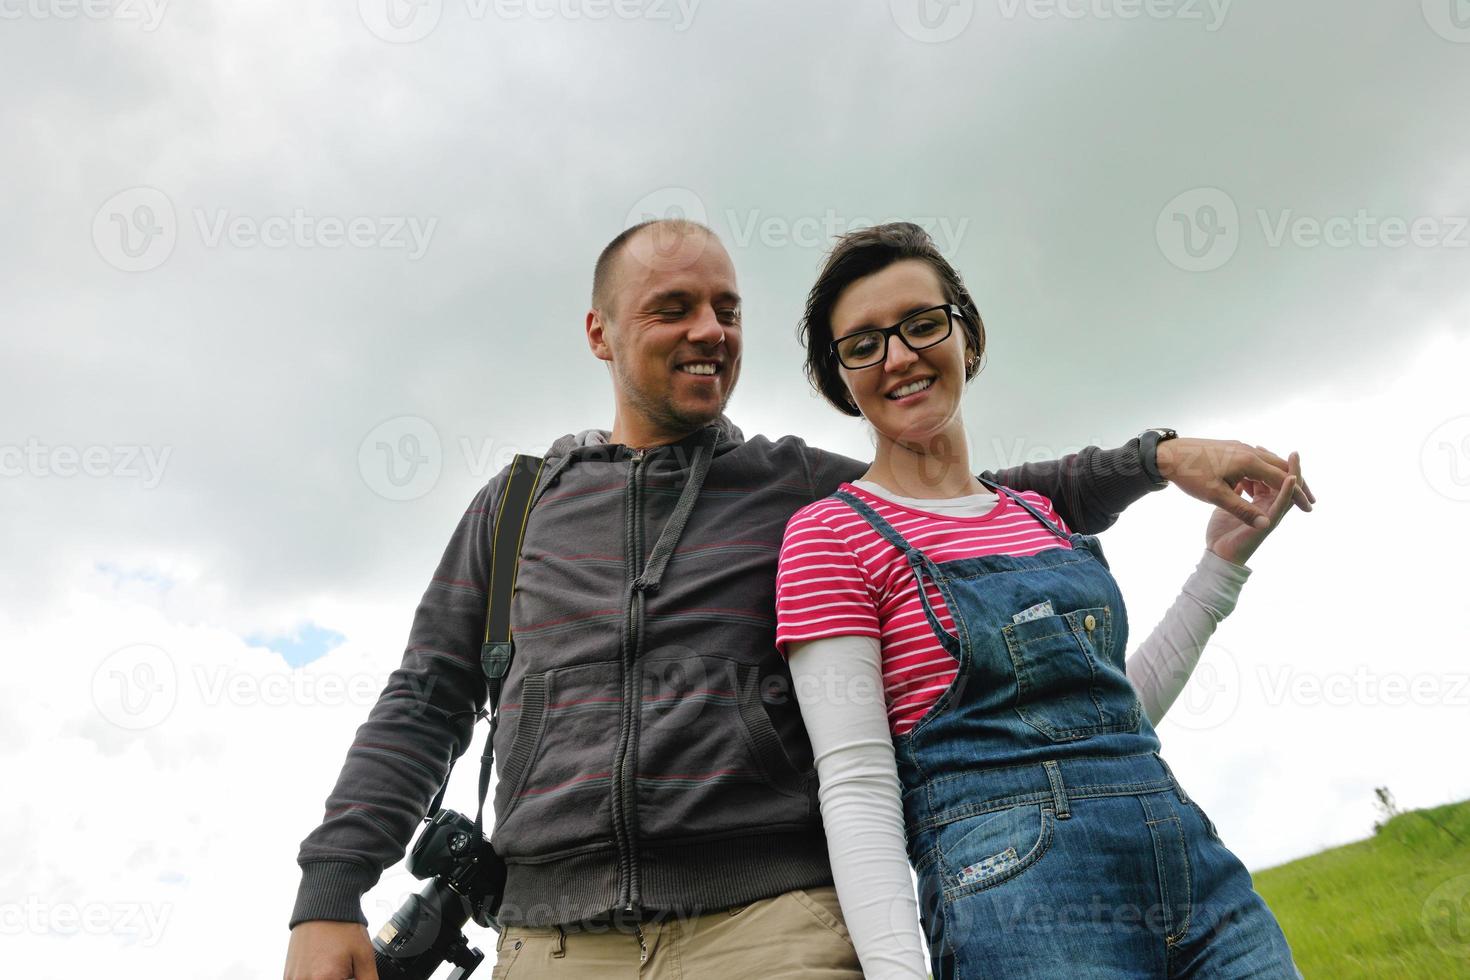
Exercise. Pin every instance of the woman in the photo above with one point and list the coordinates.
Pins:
(1048, 836)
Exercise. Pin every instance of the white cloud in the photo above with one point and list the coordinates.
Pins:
(1341, 658)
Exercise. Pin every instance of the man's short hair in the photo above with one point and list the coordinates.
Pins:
(603, 272)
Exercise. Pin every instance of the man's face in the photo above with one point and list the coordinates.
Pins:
(671, 329)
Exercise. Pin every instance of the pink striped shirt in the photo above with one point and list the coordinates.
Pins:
(838, 577)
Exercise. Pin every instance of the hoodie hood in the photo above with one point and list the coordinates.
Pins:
(730, 437)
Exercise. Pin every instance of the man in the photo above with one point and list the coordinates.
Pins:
(656, 800)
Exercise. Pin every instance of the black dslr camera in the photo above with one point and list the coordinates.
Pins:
(466, 881)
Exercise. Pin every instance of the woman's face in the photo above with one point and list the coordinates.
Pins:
(881, 300)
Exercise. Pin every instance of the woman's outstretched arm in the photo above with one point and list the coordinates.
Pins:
(1163, 663)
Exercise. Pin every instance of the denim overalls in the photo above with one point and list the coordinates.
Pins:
(1049, 838)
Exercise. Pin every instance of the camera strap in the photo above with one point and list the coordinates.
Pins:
(509, 528)
(505, 561)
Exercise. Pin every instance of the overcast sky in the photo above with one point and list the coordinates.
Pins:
(284, 283)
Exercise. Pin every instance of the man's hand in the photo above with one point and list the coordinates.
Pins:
(322, 950)
(1234, 541)
(1212, 470)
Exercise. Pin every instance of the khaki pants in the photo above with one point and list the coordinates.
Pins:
(799, 934)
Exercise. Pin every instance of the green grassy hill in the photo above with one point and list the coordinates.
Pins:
(1394, 905)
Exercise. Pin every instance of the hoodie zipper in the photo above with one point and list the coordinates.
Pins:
(624, 794)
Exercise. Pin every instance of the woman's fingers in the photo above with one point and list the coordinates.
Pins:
(1283, 500)
(1228, 500)
(1305, 496)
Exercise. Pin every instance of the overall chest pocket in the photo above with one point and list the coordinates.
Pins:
(1067, 686)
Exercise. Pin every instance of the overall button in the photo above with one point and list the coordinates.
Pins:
(1089, 623)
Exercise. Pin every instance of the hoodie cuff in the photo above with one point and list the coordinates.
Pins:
(1119, 477)
(332, 890)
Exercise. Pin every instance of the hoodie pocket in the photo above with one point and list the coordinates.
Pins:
(555, 763)
(710, 761)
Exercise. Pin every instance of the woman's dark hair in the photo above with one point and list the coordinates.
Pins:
(862, 253)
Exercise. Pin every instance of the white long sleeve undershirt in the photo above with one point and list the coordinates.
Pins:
(859, 788)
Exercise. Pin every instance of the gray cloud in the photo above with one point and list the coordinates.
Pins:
(1045, 149)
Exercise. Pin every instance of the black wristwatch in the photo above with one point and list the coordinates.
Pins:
(1148, 449)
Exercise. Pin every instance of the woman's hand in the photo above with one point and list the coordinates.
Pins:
(1233, 539)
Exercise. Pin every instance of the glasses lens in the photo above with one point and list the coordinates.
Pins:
(861, 349)
(926, 329)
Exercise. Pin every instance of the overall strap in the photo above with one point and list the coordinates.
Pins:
(879, 524)
(919, 562)
(1026, 506)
